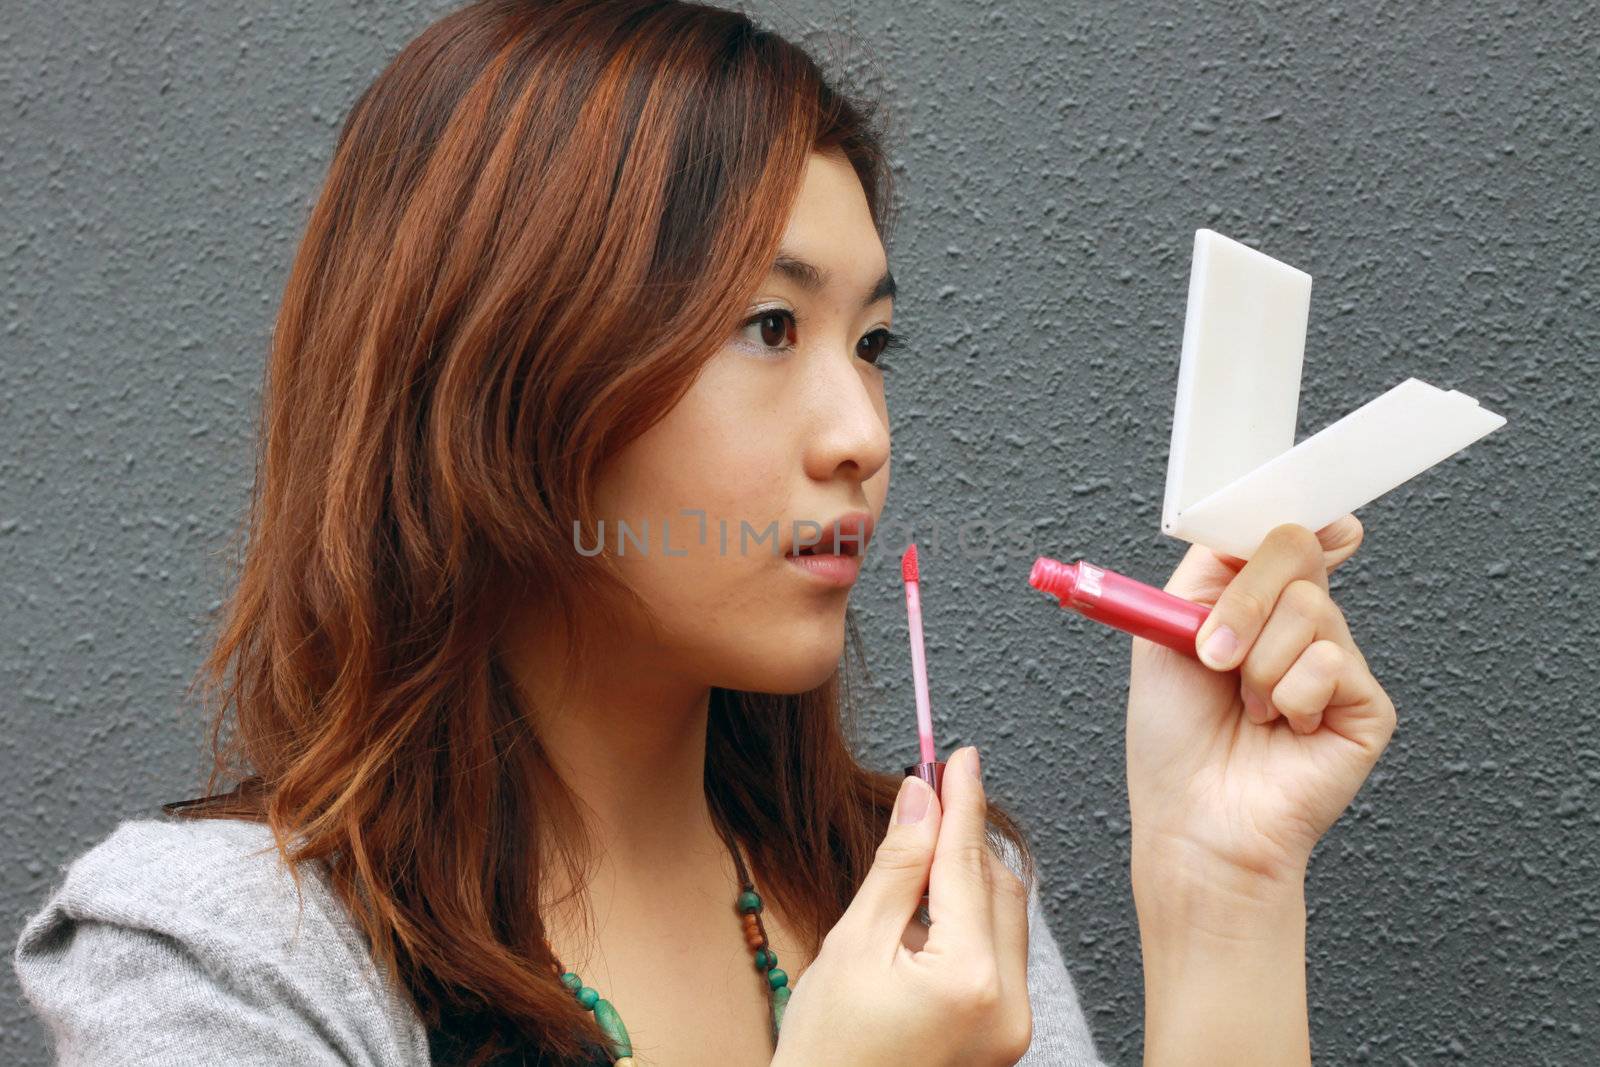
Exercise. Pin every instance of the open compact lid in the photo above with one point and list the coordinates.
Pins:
(1234, 471)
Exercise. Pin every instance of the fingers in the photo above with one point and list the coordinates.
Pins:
(1010, 928)
(959, 894)
(1329, 685)
(892, 890)
(1304, 614)
(1290, 641)
(1289, 552)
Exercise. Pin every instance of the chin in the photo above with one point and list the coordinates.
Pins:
(790, 667)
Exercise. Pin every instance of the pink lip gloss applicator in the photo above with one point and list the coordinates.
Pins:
(931, 768)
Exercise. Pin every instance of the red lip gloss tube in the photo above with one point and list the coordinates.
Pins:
(1119, 601)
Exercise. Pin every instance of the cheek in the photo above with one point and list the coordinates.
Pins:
(732, 615)
(715, 453)
(703, 469)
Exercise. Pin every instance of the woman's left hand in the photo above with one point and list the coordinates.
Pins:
(1238, 768)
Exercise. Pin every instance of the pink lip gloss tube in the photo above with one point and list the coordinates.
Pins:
(930, 771)
(1119, 601)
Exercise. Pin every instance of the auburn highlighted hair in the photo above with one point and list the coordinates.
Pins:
(540, 220)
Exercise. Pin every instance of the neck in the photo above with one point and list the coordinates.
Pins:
(630, 744)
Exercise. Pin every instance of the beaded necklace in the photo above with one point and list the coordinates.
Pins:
(748, 907)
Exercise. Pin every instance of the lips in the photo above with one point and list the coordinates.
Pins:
(854, 532)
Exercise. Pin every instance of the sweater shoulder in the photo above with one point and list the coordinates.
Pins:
(221, 881)
(208, 908)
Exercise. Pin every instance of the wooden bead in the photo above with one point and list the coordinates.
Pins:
(753, 938)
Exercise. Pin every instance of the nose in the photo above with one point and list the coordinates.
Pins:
(850, 434)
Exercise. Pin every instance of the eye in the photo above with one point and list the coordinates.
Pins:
(772, 328)
(872, 347)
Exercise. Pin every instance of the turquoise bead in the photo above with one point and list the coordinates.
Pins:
(611, 1025)
(780, 1001)
(610, 1022)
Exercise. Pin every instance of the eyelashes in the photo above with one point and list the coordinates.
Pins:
(878, 341)
(890, 341)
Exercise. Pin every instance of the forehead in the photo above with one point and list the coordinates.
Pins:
(830, 223)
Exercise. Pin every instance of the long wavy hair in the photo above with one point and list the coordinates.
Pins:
(540, 220)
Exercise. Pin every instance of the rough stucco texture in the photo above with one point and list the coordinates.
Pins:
(1433, 166)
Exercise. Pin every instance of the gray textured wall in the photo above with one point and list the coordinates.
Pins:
(1431, 165)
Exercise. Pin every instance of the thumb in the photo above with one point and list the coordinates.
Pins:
(890, 893)
(1202, 575)
(1340, 539)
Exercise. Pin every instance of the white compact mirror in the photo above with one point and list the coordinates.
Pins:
(1234, 471)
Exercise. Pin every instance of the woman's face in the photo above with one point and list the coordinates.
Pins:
(783, 433)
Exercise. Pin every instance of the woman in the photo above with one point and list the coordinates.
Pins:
(532, 681)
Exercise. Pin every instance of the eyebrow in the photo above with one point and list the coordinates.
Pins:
(813, 278)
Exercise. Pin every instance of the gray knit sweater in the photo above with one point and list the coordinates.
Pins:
(178, 942)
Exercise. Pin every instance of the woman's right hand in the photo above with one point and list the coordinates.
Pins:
(880, 992)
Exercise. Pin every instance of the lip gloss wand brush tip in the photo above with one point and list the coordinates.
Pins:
(919, 662)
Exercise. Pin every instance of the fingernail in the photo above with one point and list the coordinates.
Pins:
(912, 803)
(1219, 647)
(976, 766)
(1254, 710)
(1304, 726)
